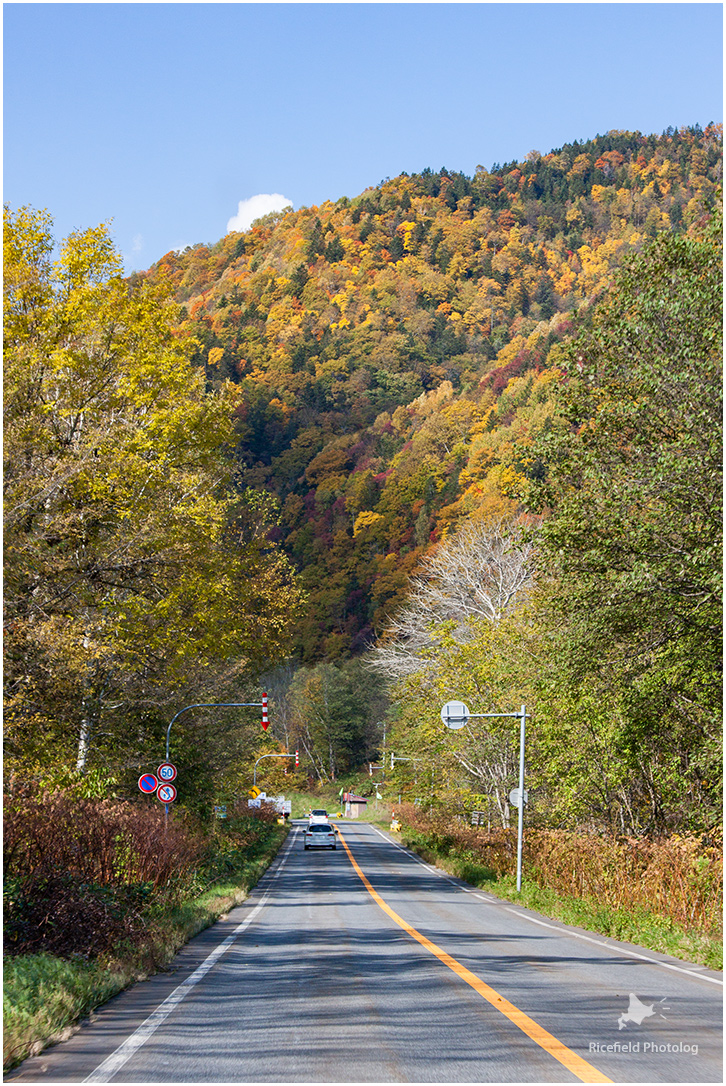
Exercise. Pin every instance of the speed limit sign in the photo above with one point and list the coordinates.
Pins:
(166, 793)
(166, 772)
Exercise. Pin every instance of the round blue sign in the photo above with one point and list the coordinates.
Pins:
(148, 783)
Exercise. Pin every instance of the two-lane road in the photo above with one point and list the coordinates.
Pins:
(367, 965)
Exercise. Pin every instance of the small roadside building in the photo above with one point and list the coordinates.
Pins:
(354, 805)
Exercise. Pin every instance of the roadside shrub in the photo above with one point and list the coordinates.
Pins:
(79, 874)
(238, 842)
(677, 877)
(84, 876)
(101, 842)
(60, 915)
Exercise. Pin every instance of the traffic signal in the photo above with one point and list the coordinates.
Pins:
(265, 720)
(297, 758)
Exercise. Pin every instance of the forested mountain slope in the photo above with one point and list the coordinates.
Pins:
(394, 353)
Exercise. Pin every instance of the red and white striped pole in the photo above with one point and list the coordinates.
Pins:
(297, 758)
(265, 720)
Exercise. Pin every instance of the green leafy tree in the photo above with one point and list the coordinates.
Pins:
(131, 568)
(336, 711)
(634, 540)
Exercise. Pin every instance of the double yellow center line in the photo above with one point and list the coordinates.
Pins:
(574, 1063)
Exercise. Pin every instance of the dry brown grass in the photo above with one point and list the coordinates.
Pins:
(677, 877)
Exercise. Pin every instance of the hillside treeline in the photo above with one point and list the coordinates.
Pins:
(454, 437)
(393, 352)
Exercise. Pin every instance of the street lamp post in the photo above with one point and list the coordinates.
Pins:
(207, 705)
(455, 715)
(254, 775)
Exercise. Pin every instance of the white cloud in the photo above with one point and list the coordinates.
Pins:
(131, 252)
(255, 208)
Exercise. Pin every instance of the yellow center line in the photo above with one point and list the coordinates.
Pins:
(579, 1067)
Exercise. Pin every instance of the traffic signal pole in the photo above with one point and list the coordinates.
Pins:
(214, 705)
(217, 705)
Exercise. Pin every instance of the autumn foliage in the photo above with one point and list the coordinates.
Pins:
(360, 382)
(676, 877)
(392, 352)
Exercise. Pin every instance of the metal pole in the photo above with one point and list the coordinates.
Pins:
(209, 705)
(203, 705)
(520, 825)
(254, 775)
(522, 714)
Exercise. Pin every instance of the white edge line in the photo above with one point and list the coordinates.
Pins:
(618, 950)
(113, 1063)
(555, 927)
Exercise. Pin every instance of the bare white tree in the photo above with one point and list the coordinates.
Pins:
(482, 571)
(490, 758)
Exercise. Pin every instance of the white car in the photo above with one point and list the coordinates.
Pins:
(319, 835)
(318, 815)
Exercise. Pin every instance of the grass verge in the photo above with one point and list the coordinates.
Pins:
(44, 997)
(639, 926)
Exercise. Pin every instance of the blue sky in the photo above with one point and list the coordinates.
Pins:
(164, 117)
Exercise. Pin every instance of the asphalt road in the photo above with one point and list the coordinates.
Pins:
(367, 965)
